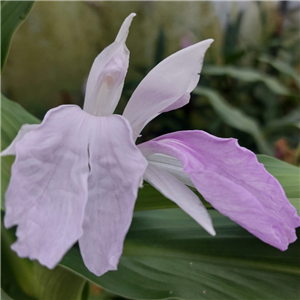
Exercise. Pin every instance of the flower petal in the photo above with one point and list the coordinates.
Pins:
(176, 191)
(106, 78)
(231, 179)
(166, 87)
(11, 149)
(117, 167)
(172, 165)
(47, 192)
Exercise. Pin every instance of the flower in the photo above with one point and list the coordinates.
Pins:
(76, 175)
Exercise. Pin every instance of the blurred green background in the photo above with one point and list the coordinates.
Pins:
(249, 87)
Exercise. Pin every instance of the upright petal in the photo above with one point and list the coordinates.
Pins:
(231, 179)
(47, 193)
(117, 167)
(166, 87)
(11, 149)
(176, 191)
(106, 78)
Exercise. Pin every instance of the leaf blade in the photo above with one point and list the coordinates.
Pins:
(13, 14)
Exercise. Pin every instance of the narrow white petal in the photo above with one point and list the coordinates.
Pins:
(172, 165)
(106, 78)
(166, 87)
(176, 191)
(124, 30)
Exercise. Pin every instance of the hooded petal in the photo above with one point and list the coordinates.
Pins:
(106, 78)
(176, 191)
(11, 149)
(231, 179)
(117, 167)
(47, 192)
(166, 87)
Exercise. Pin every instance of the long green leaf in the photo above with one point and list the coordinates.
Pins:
(17, 273)
(247, 75)
(13, 14)
(167, 254)
(13, 116)
(4, 296)
(235, 117)
(57, 284)
(282, 67)
(291, 119)
(27, 280)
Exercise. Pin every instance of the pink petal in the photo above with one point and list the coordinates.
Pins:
(231, 179)
(47, 192)
(166, 87)
(11, 149)
(117, 167)
(176, 191)
(106, 78)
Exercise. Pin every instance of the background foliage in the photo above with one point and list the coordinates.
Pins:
(249, 89)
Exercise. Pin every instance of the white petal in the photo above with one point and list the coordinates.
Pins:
(166, 87)
(176, 191)
(11, 149)
(172, 165)
(106, 78)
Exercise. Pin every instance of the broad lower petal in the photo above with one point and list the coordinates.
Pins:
(166, 87)
(234, 182)
(117, 167)
(106, 78)
(47, 193)
(11, 149)
(176, 191)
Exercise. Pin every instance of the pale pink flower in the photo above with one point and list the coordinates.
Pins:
(77, 174)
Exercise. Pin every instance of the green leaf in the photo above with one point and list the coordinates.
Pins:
(291, 119)
(247, 75)
(27, 280)
(13, 14)
(17, 273)
(57, 284)
(167, 254)
(282, 67)
(235, 117)
(288, 176)
(13, 116)
(4, 296)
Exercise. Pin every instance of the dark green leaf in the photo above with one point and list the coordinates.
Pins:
(17, 273)
(247, 75)
(57, 284)
(13, 116)
(167, 254)
(4, 296)
(235, 117)
(292, 119)
(27, 280)
(13, 14)
(282, 67)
